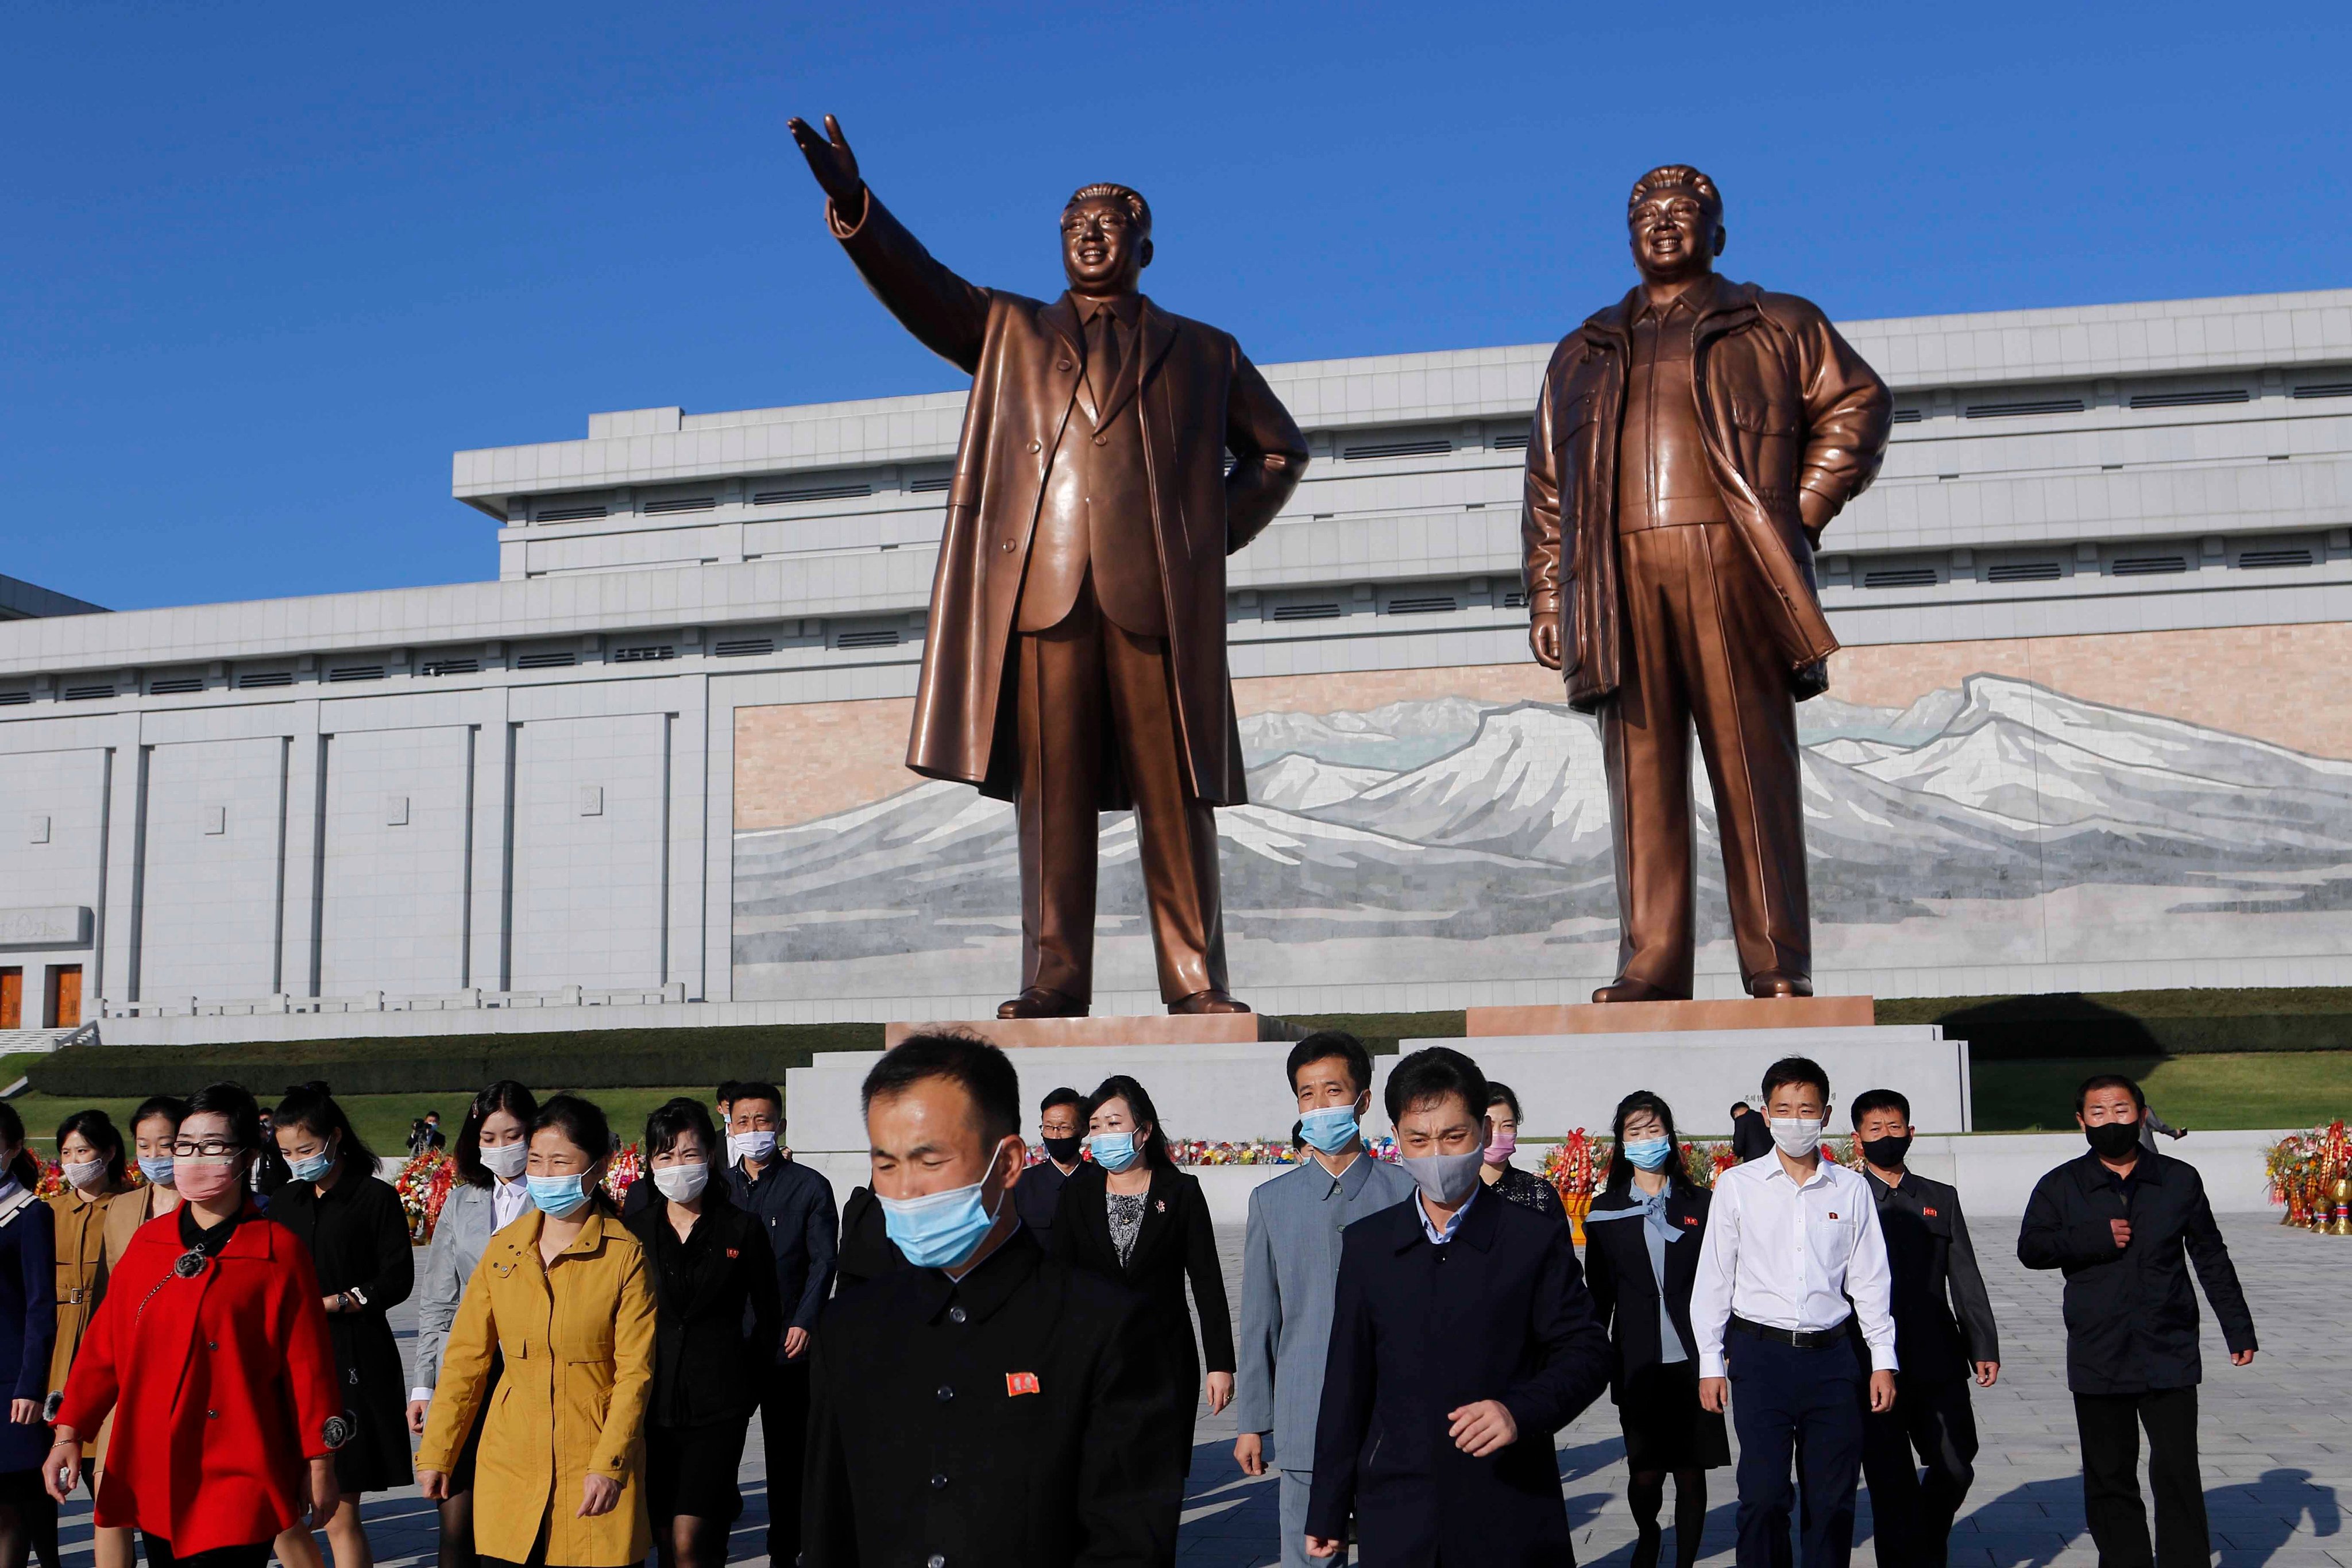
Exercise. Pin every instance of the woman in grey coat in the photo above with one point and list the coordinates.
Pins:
(490, 1193)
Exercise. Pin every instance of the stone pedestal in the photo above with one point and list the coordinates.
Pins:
(1041, 1034)
(1651, 1017)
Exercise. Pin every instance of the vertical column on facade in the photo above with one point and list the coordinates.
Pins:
(117, 912)
(687, 861)
(302, 864)
(490, 867)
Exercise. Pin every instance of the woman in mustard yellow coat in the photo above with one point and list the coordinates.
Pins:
(564, 1296)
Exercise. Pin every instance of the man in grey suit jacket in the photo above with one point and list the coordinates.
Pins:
(1290, 1268)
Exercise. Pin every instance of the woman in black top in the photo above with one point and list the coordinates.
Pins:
(353, 1222)
(1507, 1180)
(1641, 1257)
(718, 1318)
(1133, 1216)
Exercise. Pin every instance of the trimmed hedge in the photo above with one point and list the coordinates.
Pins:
(2143, 1024)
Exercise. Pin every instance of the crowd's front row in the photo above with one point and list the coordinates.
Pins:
(1008, 1372)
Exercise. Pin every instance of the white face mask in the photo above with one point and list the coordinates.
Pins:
(84, 1173)
(506, 1162)
(1797, 1136)
(681, 1183)
(753, 1146)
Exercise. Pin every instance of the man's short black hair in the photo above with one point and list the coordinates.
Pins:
(1064, 1095)
(726, 1092)
(981, 1070)
(2109, 1081)
(1324, 1044)
(1870, 1099)
(767, 1091)
(1738, 1106)
(1796, 1071)
(1436, 1072)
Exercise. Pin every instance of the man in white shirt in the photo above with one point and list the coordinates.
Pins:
(1790, 1238)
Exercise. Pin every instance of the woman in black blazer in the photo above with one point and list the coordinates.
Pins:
(1133, 1215)
(719, 1317)
(1641, 1257)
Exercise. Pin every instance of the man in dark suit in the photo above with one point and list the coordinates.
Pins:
(1062, 1129)
(1082, 573)
(1750, 1138)
(1943, 1332)
(1462, 1338)
(984, 1405)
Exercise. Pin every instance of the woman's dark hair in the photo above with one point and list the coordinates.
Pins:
(244, 1114)
(23, 1167)
(311, 1108)
(505, 1095)
(672, 1121)
(98, 1128)
(1118, 1086)
(1500, 1094)
(170, 1107)
(582, 1124)
(1621, 1169)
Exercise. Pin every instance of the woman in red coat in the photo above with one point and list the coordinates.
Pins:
(212, 1342)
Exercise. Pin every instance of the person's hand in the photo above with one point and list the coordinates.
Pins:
(1988, 1373)
(417, 1409)
(1219, 1385)
(1882, 1392)
(1543, 641)
(1714, 1392)
(1321, 1546)
(2177, 1132)
(331, 1303)
(598, 1495)
(24, 1412)
(1249, 1453)
(2242, 1358)
(2122, 1229)
(62, 1471)
(795, 1343)
(1479, 1429)
(321, 1494)
(433, 1485)
(835, 166)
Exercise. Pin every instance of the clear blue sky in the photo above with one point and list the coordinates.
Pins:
(263, 268)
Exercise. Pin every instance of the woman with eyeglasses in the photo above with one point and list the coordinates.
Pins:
(568, 1292)
(351, 1220)
(491, 1192)
(212, 1344)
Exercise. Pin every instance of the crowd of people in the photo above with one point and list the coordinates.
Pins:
(994, 1356)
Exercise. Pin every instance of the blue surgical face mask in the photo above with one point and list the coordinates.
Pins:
(1648, 1153)
(1328, 1129)
(312, 1167)
(1113, 1151)
(558, 1195)
(156, 1168)
(940, 1230)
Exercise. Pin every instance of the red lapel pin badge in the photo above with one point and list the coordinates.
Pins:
(1019, 1383)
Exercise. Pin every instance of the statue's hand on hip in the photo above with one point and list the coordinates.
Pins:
(834, 164)
(1543, 640)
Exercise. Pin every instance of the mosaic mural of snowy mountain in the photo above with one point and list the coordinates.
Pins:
(1985, 812)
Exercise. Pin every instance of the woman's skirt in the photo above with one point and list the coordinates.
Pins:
(1665, 1427)
(691, 1471)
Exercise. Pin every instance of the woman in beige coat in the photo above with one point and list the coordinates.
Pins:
(565, 1296)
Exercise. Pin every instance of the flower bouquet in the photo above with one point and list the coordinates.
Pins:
(423, 1186)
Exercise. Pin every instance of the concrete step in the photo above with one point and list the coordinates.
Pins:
(18, 1041)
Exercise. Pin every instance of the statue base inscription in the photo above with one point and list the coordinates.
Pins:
(1649, 1018)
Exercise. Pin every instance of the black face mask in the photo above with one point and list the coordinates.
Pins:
(1886, 1154)
(2113, 1140)
(1064, 1150)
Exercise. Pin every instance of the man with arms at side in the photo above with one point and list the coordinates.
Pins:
(796, 1205)
(1750, 1139)
(1793, 1251)
(1062, 1128)
(1943, 1332)
(2124, 1222)
(1291, 1268)
(1462, 1338)
(984, 1405)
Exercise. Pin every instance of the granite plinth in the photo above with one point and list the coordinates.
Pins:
(1149, 1029)
(1648, 1017)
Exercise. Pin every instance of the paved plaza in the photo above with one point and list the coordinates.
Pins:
(2277, 1440)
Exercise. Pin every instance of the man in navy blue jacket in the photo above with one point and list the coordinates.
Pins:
(1463, 1337)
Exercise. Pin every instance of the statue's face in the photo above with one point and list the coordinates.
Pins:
(1104, 250)
(1675, 235)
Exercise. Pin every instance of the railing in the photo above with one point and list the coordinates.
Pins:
(470, 1000)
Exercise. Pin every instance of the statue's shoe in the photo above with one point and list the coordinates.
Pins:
(1201, 1002)
(1043, 1001)
(1772, 983)
(1625, 988)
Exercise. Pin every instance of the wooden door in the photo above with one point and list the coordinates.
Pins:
(65, 995)
(11, 998)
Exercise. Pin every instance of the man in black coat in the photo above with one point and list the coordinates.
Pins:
(2124, 1222)
(1462, 1338)
(984, 1405)
(1943, 1332)
(1062, 1128)
(1750, 1138)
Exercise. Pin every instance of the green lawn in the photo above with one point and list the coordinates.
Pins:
(2261, 1089)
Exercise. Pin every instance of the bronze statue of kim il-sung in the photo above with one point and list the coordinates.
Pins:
(1690, 444)
(1076, 662)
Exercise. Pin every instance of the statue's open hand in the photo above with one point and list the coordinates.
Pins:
(833, 163)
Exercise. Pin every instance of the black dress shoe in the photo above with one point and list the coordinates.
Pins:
(1043, 1001)
(1625, 988)
(1773, 983)
(1205, 1002)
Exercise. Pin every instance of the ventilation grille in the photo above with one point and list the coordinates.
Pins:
(885, 639)
(681, 503)
(1900, 577)
(255, 680)
(931, 486)
(546, 659)
(2147, 565)
(649, 652)
(1517, 599)
(2037, 406)
(742, 648)
(2024, 572)
(1324, 610)
(453, 666)
(14, 698)
(1437, 449)
(1424, 605)
(175, 685)
(569, 513)
(2326, 389)
(354, 672)
(1908, 416)
(815, 492)
(1516, 441)
(87, 693)
(2189, 399)
(2294, 557)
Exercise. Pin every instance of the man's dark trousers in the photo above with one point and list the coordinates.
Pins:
(2109, 1424)
(1911, 1513)
(784, 1439)
(1804, 1405)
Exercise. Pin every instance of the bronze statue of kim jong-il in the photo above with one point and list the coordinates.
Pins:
(1690, 444)
(1075, 661)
